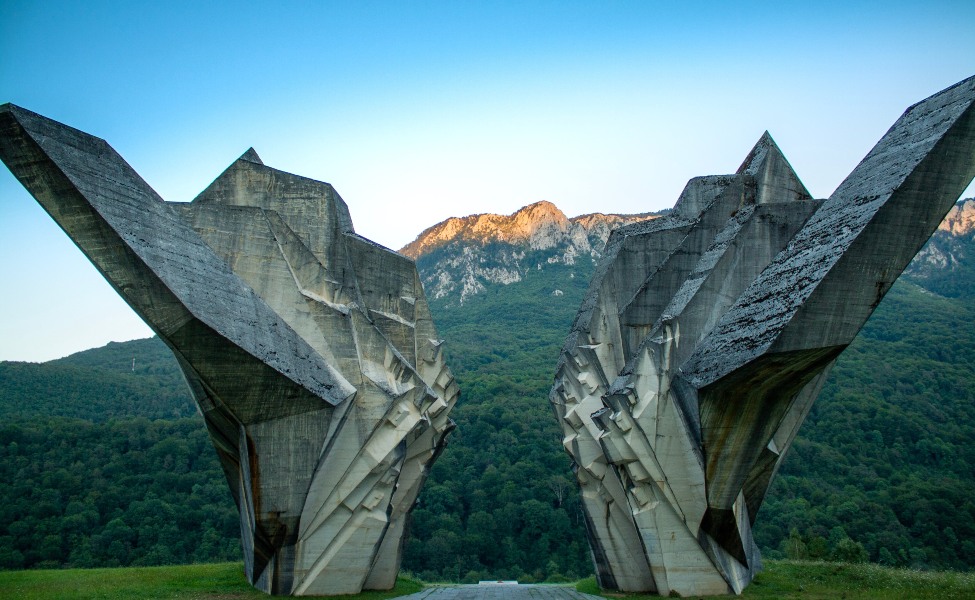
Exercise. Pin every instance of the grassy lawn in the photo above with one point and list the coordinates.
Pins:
(788, 580)
(783, 580)
(187, 582)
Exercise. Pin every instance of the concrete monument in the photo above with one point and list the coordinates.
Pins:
(706, 335)
(310, 350)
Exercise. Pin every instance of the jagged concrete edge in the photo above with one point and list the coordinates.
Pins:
(777, 295)
(37, 133)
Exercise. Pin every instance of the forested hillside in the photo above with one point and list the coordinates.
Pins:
(123, 492)
(501, 501)
(886, 455)
(104, 467)
(138, 378)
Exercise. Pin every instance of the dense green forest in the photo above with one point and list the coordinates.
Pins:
(886, 456)
(501, 501)
(106, 464)
(117, 381)
(125, 492)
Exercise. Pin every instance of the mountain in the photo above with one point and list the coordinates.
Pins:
(459, 257)
(105, 473)
(463, 256)
(960, 220)
(946, 264)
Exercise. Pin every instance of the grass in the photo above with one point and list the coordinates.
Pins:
(786, 580)
(223, 581)
(782, 580)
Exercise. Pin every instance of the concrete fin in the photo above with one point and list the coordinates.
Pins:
(901, 190)
(94, 194)
(251, 156)
(740, 415)
(777, 181)
(324, 428)
(728, 329)
(722, 526)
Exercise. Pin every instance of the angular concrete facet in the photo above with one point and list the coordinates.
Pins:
(706, 336)
(310, 350)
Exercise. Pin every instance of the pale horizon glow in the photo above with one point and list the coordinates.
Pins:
(417, 112)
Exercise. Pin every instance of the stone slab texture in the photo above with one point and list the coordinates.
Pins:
(310, 351)
(707, 334)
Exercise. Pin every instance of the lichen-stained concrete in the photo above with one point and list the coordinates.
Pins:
(706, 335)
(310, 350)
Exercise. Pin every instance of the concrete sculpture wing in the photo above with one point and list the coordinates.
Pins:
(310, 351)
(706, 335)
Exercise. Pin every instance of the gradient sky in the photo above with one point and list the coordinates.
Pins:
(418, 111)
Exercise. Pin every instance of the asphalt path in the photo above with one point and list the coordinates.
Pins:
(499, 592)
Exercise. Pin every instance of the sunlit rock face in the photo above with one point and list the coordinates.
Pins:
(309, 350)
(464, 256)
(706, 336)
(961, 219)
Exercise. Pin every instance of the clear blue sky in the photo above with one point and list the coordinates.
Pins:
(418, 111)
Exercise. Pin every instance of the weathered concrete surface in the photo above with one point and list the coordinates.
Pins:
(706, 335)
(500, 592)
(310, 351)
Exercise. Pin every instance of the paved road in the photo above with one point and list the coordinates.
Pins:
(500, 592)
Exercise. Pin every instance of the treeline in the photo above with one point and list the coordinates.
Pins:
(117, 381)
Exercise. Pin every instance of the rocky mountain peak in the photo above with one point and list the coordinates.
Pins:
(945, 262)
(454, 256)
(458, 258)
(960, 219)
(539, 214)
(540, 225)
(534, 224)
